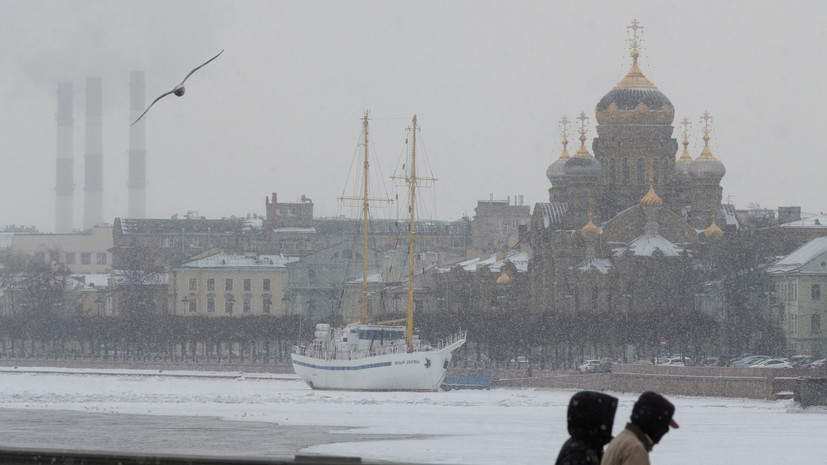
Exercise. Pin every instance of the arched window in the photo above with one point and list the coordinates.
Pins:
(655, 171)
(641, 172)
(612, 171)
(626, 172)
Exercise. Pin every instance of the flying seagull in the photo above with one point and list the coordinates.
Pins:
(177, 90)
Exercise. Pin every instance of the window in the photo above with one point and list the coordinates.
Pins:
(248, 304)
(193, 284)
(815, 324)
(594, 298)
(193, 303)
(612, 171)
(266, 300)
(70, 258)
(626, 172)
(816, 292)
(655, 170)
(100, 258)
(210, 303)
(86, 258)
(229, 301)
(210, 284)
(228, 284)
(248, 285)
(641, 175)
(54, 256)
(265, 285)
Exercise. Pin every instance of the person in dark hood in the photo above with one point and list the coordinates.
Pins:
(590, 418)
(651, 419)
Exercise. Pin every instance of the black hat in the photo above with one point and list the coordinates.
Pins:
(652, 413)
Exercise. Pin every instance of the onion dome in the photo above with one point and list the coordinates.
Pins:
(651, 199)
(683, 167)
(556, 170)
(713, 231)
(503, 278)
(590, 230)
(635, 100)
(582, 163)
(706, 165)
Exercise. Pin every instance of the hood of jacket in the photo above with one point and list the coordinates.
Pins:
(652, 413)
(591, 416)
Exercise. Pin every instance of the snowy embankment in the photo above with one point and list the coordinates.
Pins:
(461, 427)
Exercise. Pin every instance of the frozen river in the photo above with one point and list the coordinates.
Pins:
(278, 416)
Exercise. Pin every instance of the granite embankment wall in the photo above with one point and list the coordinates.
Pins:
(752, 383)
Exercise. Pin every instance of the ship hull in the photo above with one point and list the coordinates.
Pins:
(405, 371)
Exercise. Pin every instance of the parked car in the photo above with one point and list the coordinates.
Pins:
(815, 364)
(751, 360)
(773, 363)
(800, 360)
(596, 366)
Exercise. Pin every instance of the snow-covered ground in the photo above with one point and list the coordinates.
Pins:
(460, 427)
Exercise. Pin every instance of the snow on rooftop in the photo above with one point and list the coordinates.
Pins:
(800, 256)
(519, 259)
(815, 221)
(223, 260)
(646, 245)
(601, 265)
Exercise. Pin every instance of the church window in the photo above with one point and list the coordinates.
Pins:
(594, 298)
(626, 172)
(577, 300)
(611, 171)
(655, 171)
(640, 171)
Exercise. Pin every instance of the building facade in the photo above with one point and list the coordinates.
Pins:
(230, 285)
(799, 282)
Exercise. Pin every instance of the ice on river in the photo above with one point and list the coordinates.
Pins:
(461, 427)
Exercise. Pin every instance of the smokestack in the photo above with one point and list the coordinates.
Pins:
(137, 146)
(64, 180)
(93, 176)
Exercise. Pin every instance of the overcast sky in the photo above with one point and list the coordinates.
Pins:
(280, 109)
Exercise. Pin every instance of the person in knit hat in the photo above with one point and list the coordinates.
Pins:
(590, 418)
(650, 421)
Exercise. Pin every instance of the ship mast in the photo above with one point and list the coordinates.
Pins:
(365, 206)
(411, 240)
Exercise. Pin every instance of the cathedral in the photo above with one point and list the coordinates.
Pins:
(623, 220)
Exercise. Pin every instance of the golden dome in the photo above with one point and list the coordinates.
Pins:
(635, 100)
(713, 231)
(651, 199)
(503, 278)
(590, 230)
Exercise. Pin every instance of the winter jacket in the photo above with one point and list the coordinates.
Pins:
(630, 447)
(590, 418)
(650, 420)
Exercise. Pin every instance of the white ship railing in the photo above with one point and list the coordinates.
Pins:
(320, 350)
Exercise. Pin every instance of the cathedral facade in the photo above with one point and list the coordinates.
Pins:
(618, 232)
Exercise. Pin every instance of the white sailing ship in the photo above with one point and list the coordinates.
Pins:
(374, 356)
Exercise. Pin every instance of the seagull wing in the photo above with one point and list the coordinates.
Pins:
(196, 69)
(150, 105)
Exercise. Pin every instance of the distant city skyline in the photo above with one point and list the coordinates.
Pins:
(279, 112)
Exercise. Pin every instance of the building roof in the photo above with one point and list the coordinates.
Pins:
(601, 265)
(800, 257)
(180, 225)
(553, 213)
(730, 218)
(814, 221)
(224, 260)
(647, 244)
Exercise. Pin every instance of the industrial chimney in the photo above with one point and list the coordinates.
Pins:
(137, 146)
(64, 186)
(93, 175)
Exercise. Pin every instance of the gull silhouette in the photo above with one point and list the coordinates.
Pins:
(177, 90)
